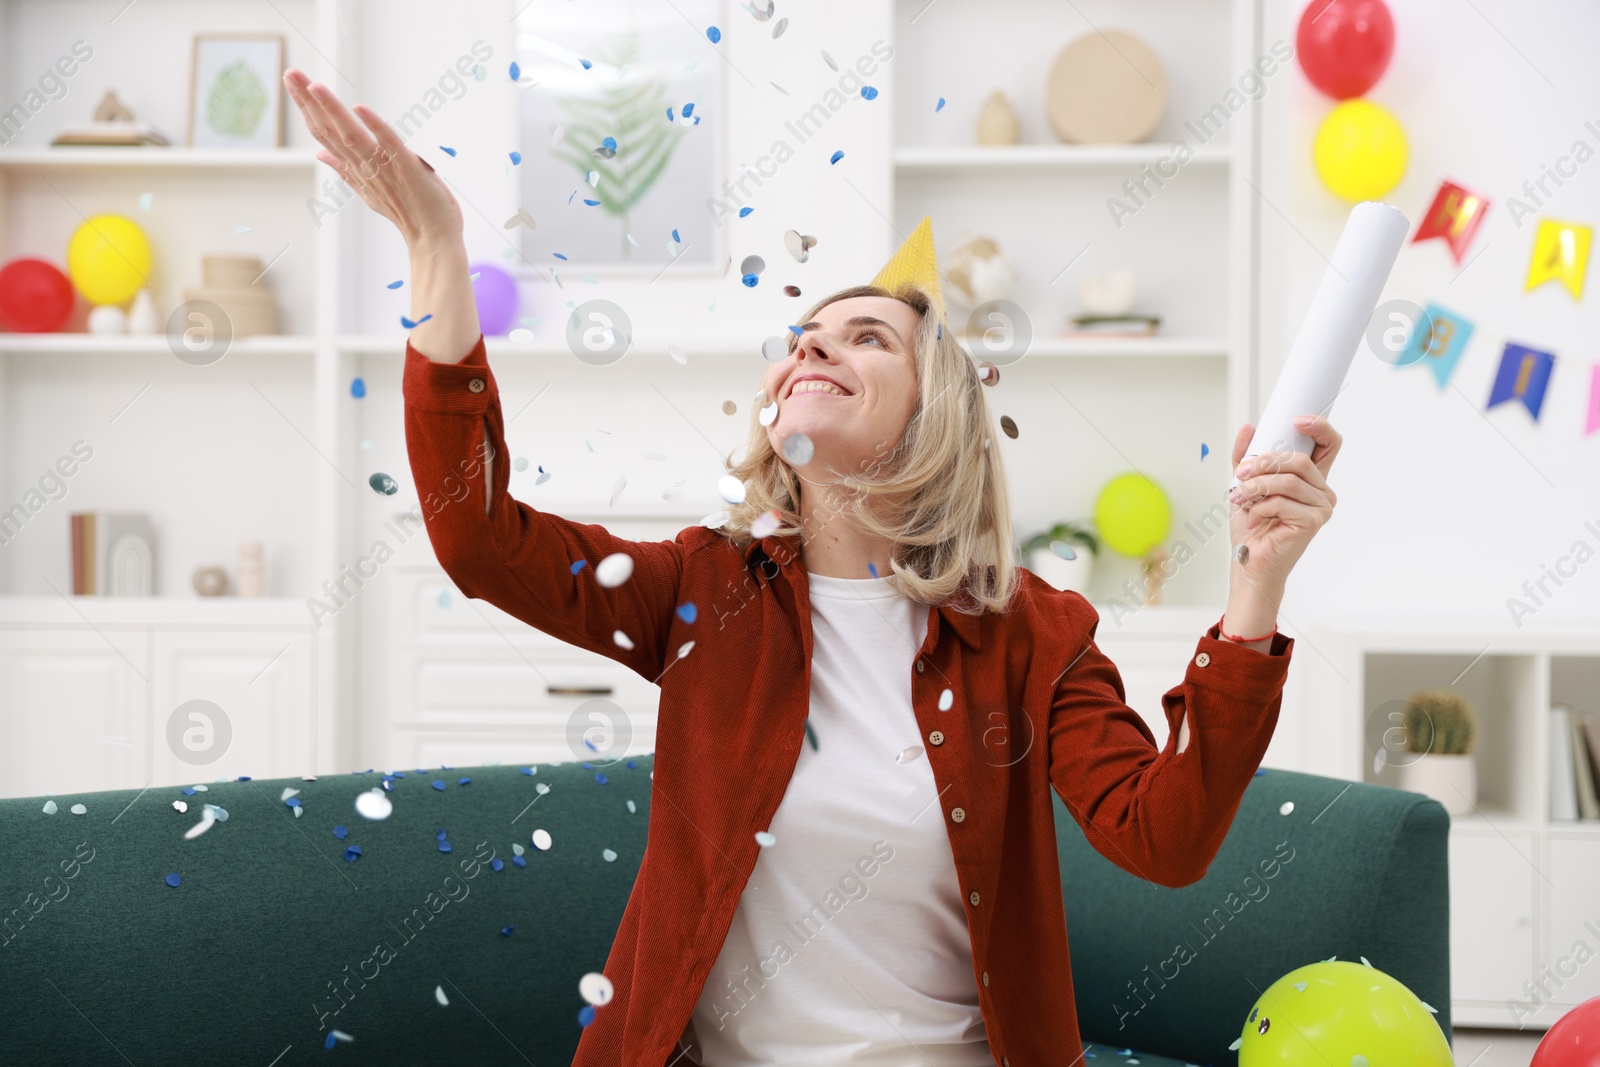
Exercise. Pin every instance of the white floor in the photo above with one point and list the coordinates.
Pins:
(1495, 1048)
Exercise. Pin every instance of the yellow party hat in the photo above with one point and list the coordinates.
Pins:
(915, 262)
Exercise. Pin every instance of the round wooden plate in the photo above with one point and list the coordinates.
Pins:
(1106, 88)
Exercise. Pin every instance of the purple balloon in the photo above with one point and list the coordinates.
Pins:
(496, 293)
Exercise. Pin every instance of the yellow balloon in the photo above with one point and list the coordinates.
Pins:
(1132, 514)
(108, 259)
(1344, 1013)
(1360, 150)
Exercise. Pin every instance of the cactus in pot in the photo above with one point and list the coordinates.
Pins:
(1439, 721)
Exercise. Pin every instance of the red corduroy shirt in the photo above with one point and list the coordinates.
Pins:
(1036, 706)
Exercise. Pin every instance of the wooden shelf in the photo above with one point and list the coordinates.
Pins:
(147, 157)
(20, 611)
(1042, 158)
(146, 344)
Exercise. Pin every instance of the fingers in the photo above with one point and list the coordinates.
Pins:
(1297, 464)
(1241, 441)
(1328, 440)
(1291, 513)
(350, 142)
(1292, 486)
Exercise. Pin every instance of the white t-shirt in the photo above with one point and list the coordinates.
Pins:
(850, 938)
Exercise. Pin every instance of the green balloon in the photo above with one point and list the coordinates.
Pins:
(1346, 1014)
(1132, 514)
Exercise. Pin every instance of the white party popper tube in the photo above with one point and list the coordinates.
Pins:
(1344, 302)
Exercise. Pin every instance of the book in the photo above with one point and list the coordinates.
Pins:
(112, 554)
(1113, 325)
(1583, 770)
(1563, 785)
(1591, 737)
(110, 133)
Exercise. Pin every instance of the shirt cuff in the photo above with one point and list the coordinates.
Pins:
(466, 387)
(1229, 667)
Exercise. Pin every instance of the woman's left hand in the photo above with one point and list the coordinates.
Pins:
(1282, 500)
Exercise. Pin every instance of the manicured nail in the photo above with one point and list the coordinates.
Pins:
(1303, 420)
(1243, 471)
(1236, 496)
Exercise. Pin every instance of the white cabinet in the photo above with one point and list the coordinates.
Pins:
(1491, 915)
(72, 711)
(1572, 932)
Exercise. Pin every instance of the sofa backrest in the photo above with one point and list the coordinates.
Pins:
(1350, 870)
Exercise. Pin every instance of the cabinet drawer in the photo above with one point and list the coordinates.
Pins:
(496, 689)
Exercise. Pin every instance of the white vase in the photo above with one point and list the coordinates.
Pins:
(1451, 780)
(1066, 574)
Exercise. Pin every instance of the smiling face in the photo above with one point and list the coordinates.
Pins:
(864, 345)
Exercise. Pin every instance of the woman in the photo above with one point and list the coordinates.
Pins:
(851, 840)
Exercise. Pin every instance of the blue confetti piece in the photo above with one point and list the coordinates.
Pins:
(519, 861)
(591, 203)
(797, 331)
(447, 150)
(440, 836)
(586, 766)
(609, 142)
(243, 778)
(586, 64)
(497, 864)
(669, 113)
(444, 846)
(439, 785)
(569, 204)
(463, 781)
(811, 735)
(697, 120)
(528, 771)
(328, 1041)
(600, 776)
(872, 569)
(631, 763)
(745, 211)
(713, 33)
(352, 853)
(837, 155)
(676, 239)
(939, 106)
(750, 281)
(1205, 450)
(505, 931)
(688, 109)
(687, 612)
(516, 157)
(174, 881)
(401, 774)
(586, 1015)
(293, 802)
(1260, 772)
(939, 331)
(188, 792)
(558, 255)
(358, 388)
(869, 93)
(578, 566)
(516, 71)
(408, 324)
(341, 832)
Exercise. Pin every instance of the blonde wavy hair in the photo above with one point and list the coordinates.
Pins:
(940, 494)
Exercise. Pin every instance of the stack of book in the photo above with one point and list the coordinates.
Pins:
(1574, 764)
(1113, 325)
(111, 554)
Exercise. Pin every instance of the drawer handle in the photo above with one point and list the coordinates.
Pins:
(578, 690)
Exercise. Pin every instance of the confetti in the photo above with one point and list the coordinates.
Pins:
(438, 994)
(714, 34)
(632, 810)
(173, 880)
(621, 484)
(352, 853)
(207, 821)
(798, 450)
(358, 388)
(752, 265)
(373, 804)
(791, 290)
(541, 838)
(811, 735)
(675, 238)
(586, 1015)
(872, 569)
(777, 30)
(50, 807)
(516, 157)
(909, 754)
(946, 699)
(1009, 426)
(744, 211)
(516, 71)
(506, 931)
(586, 64)
(79, 809)
(837, 155)
(614, 570)
(688, 109)
(939, 106)
(731, 489)
(559, 256)
(988, 374)
(799, 245)
(595, 988)
(408, 324)
(611, 142)
(444, 846)
(608, 855)
(144, 201)
(521, 218)
(774, 349)
(557, 135)
(1205, 450)
(447, 150)
(438, 784)
(383, 484)
(177, 805)
(760, 9)
(1286, 807)
(826, 58)
(765, 524)
(688, 613)
(591, 203)
(768, 413)
(1064, 550)
(341, 832)
(868, 93)
(541, 789)
(750, 280)
(622, 641)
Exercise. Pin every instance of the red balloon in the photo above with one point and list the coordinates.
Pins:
(35, 297)
(1574, 1041)
(1345, 45)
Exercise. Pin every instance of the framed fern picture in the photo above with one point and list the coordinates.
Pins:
(236, 91)
(622, 134)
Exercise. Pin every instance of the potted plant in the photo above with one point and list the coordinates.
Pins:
(1440, 731)
(1063, 555)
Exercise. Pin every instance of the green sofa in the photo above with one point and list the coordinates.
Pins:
(276, 934)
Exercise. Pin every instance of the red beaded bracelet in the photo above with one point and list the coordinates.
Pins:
(1242, 640)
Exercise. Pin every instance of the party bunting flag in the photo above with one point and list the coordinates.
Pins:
(1523, 375)
(1438, 341)
(1560, 250)
(1455, 216)
(1592, 422)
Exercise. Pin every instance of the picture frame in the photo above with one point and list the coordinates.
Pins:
(236, 94)
(644, 58)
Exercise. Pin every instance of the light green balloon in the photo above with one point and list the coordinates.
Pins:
(1343, 1014)
(1132, 514)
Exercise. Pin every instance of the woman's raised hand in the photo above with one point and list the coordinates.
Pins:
(372, 159)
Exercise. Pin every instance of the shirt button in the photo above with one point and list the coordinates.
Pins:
(958, 814)
(476, 385)
(921, 666)
(1005, 1061)
(986, 979)
(973, 896)
(936, 738)
(1203, 660)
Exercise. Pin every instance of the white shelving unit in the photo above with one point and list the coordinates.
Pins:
(1522, 884)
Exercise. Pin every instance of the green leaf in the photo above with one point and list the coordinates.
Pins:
(237, 100)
